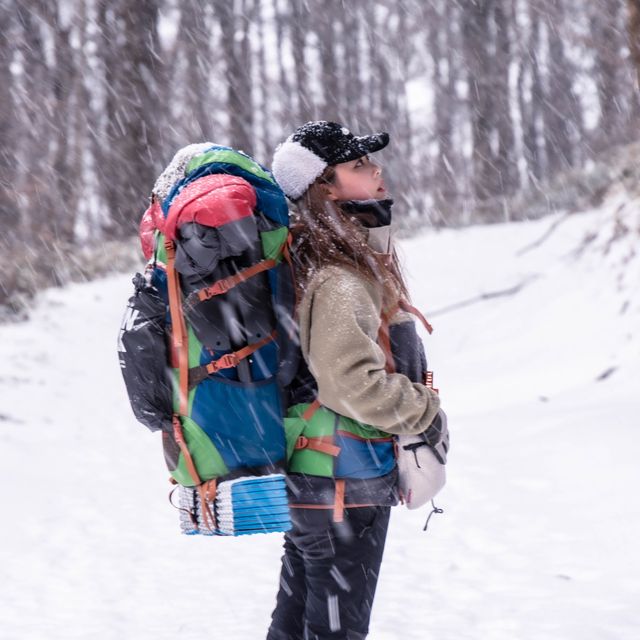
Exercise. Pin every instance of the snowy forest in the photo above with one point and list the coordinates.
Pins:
(487, 102)
(514, 163)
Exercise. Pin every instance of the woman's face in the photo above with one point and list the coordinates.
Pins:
(358, 179)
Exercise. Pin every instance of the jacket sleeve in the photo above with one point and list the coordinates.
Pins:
(349, 366)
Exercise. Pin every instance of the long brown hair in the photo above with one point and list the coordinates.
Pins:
(324, 235)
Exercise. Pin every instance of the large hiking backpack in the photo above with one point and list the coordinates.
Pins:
(208, 341)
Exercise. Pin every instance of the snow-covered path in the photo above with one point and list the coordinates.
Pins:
(539, 538)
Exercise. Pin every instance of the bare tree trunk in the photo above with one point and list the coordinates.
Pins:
(505, 163)
(440, 39)
(530, 83)
(35, 108)
(562, 110)
(327, 21)
(477, 37)
(616, 98)
(353, 85)
(195, 49)
(391, 59)
(402, 46)
(9, 212)
(634, 35)
(235, 43)
(285, 88)
(133, 150)
(300, 21)
(264, 132)
(65, 183)
(82, 119)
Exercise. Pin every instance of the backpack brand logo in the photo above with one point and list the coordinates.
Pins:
(128, 323)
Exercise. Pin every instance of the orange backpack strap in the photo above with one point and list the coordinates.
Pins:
(286, 254)
(178, 436)
(405, 306)
(207, 492)
(323, 444)
(179, 336)
(198, 374)
(310, 410)
(384, 339)
(222, 286)
(338, 503)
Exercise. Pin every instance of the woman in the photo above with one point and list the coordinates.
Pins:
(360, 381)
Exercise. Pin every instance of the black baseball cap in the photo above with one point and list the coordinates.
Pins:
(313, 146)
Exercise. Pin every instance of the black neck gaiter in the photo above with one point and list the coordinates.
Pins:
(370, 213)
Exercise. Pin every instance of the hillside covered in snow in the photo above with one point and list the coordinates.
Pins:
(536, 351)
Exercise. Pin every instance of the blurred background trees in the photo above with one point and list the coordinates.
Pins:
(486, 100)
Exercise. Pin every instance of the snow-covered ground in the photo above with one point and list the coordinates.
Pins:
(539, 539)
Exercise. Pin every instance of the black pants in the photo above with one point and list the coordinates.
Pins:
(329, 575)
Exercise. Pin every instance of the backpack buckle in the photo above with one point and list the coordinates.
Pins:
(216, 289)
(224, 362)
(301, 443)
(227, 361)
(222, 286)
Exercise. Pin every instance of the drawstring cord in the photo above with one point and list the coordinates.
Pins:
(189, 512)
(434, 509)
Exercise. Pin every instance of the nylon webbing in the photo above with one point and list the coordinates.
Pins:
(322, 444)
(188, 460)
(310, 410)
(223, 285)
(349, 505)
(206, 490)
(384, 340)
(403, 304)
(198, 374)
(338, 504)
(179, 334)
(286, 254)
(207, 493)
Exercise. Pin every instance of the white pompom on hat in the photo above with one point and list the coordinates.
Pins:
(312, 147)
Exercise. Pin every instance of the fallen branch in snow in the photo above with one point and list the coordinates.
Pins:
(544, 236)
(485, 296)
(606, 373)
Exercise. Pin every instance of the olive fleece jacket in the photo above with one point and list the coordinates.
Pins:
(339, 319)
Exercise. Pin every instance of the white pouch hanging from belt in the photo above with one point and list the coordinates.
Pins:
(421, 463)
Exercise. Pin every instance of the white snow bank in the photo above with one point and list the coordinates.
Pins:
(539, 538)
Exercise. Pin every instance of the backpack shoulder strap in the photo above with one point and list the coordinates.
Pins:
(405, 306)
(384, 339)
(179, 335)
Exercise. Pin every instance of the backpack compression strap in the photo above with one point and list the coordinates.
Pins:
(222, 286)
(323, 444)
(338, 505)
(198, 374)
(206, 490)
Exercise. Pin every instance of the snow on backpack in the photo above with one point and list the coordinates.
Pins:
(208, 341)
